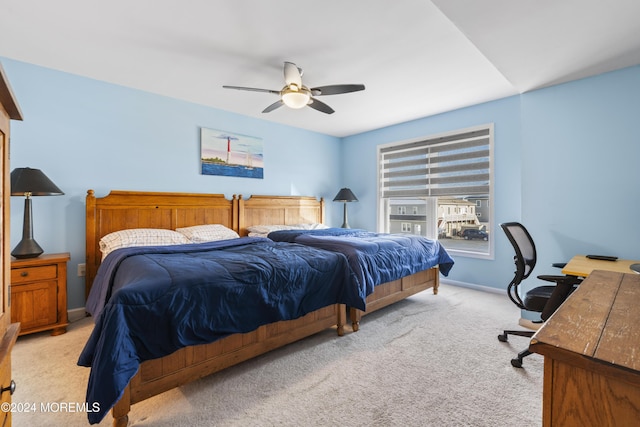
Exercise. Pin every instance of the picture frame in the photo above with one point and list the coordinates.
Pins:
(225, 153)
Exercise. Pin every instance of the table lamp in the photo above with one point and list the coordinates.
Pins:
(345, 195)
(29, 182)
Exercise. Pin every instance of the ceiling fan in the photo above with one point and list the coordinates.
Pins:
(296, 95)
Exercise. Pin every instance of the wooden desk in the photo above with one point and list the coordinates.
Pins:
(591, 349)
(582, 266)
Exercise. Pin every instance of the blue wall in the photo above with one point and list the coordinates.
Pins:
(585, 199)
(566, 166)
(85, 134)
(565, 162)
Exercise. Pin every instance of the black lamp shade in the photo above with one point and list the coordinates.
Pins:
(33, 182)
(345, 195)
(29, 182)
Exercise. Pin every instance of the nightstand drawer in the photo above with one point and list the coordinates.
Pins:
(29, 274)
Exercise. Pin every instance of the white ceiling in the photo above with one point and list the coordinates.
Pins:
(416, 58)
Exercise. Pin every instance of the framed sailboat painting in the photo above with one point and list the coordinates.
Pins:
(231, 154)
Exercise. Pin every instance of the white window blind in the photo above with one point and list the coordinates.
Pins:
(456, 164)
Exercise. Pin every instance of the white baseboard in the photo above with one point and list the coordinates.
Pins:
(80, 313)
(76, 314)
(473, 286)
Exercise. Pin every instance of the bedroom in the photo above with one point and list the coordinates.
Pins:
(565, 160)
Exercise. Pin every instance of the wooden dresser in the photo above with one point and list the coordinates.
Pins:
(9, 110)
(39, 293)
(591, 349)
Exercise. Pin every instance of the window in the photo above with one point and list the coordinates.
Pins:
(406, 227)
(448, 177)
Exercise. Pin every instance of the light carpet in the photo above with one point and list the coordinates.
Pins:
(431, 360)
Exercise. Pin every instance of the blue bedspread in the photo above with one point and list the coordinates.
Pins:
(150, 301)
(375, 258)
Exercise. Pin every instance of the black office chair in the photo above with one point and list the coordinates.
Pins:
(541, 299)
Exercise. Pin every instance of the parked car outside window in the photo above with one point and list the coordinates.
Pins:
(472, 233)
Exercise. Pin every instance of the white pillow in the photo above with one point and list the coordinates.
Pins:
(264, 230)
(140, 237)
(310, 226)
(207, 233)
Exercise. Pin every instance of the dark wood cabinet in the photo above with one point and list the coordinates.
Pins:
(9, 110)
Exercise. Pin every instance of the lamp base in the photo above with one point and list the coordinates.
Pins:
(345, 223)
(27, 248)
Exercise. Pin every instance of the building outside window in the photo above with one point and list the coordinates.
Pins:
(445, 181)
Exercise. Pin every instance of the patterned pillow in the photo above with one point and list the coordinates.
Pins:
(140, 237)
(207, 233)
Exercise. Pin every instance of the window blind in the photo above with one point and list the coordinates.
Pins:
(452, 165)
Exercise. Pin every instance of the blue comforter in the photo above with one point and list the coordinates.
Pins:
(150, 301)
(375, 258)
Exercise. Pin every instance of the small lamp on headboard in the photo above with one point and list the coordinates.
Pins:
(29, 182)
(345, 195)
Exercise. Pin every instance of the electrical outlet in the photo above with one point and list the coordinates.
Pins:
(82, 269)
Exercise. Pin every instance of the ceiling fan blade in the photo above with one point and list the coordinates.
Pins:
(273, 106)
(320, 106)
(253, 89)
(335, 89)
(292, 74)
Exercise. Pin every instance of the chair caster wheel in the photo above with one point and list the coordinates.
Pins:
(516, 363)
(502, 338)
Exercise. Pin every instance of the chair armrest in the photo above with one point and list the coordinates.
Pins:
(560, 279)
(564, 286)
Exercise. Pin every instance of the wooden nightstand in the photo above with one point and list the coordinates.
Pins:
(39, 293)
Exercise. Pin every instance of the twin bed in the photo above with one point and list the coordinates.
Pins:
(327, 280)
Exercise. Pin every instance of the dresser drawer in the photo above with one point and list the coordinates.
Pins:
(29, 274)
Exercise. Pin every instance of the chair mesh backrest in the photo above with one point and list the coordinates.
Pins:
(525, 248)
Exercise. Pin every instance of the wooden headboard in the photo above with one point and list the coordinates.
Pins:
(121, 210)
(276, 210)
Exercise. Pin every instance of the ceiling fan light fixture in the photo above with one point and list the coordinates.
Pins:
(296, 98)
(296, 95)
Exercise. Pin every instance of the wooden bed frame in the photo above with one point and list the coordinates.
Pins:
(129, 209)
(289, 210)
(387, 293)
(132, 209)
(276, 210)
